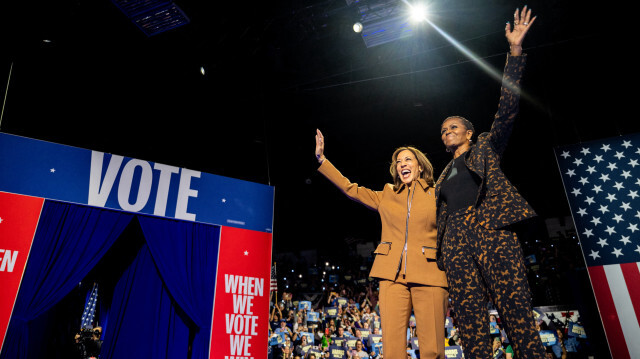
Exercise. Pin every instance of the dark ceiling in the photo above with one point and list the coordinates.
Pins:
(84, 75)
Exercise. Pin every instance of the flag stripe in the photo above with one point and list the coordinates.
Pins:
(631, 272)
(624, 307)
(612, 327)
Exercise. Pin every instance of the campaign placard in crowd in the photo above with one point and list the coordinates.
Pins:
(313, 317)
(310, 337)
(548, 337)
(493, 328)
(316, 352)
(337, 352)
(276, 339)
(374, 339)
(331, 312)
(414, 343)
(364, 332)
(342, 301)
(453, 352)
(351, 343)
(304, 305)
(448, 323)
(576, 330)
(377, 348)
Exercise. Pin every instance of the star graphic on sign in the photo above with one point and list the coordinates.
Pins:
(2, 219)
(638, 151)
(602, 242)
(633, 194)
(637, 249)
(583, 180)
(565, 154)
(53, 170)
(611, 197)
(617, 252)
(595, 221)
(246, 253)
(577, 162)
(626, 144)
(603, 209)
(611, 166)
(638, 181)
(633, 227)
(633, 163)
(618, 186)
(598, 189)
(618, 155)
(625, 174)
(583, 211)
(598, 158)
(591, 169)
(610, 230)
(594, 254)
(605, 148)
(625, 206)
(224, 200)
(589, 200)
(585, 151)
(571, 173)
(604, 177)
(625, 240)
(576, 191)
(588, 232)
(617, 218)
(637, 214)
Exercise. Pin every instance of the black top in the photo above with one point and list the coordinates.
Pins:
(460, 188)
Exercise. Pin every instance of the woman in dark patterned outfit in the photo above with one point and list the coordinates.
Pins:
(476, 204)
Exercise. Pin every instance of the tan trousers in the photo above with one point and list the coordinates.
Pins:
(429, 304)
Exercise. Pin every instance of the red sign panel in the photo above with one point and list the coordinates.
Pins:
(241, 306)
(18, 221)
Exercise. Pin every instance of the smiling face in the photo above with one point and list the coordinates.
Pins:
(455, 134)
(407, 166)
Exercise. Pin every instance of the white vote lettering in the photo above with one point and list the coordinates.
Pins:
(100, 187)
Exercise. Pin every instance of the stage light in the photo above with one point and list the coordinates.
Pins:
(202, 70)
(299, 275)
(418, 13)
(326, 264)
(357, 27)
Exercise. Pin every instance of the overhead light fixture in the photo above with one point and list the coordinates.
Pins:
(357, 27)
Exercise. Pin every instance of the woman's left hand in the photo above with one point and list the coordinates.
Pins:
(522, 22)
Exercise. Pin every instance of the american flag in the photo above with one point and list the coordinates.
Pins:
(602, 182)
(90, 308)
(274, 279)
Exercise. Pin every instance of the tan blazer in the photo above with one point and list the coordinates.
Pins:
(417, 227)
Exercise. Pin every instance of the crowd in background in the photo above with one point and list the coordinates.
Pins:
(331, 311)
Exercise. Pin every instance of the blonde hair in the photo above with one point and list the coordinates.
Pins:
(427, 168)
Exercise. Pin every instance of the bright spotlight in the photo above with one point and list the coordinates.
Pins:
(202, 70)
(418, 12)
(357, 27)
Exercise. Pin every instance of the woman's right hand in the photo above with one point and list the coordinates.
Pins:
(319, 146)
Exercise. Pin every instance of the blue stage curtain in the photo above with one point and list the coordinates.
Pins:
(69, 242)
(186, 255)
(144, 321)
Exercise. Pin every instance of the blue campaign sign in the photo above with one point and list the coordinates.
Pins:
(453, 352)
(331, 312)
(313, 317)
(310, 337)
(70, 174)
(576, 330)
(548, 338)
(304, 304)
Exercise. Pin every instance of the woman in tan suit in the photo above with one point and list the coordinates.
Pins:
(405, 260)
